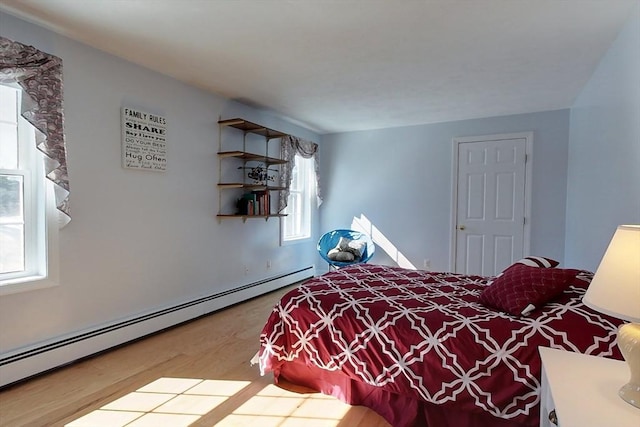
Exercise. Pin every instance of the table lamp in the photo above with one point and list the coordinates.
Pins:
(615, 291)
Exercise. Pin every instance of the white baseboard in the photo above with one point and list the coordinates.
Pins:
(26, 362)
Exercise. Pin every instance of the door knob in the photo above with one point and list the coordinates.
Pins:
(461, 227)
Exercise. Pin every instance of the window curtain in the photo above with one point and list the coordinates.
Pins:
(289, 147)
(40, 77)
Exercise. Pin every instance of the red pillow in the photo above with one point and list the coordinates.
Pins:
(521, 289)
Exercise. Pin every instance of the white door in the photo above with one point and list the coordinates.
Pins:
(491, 200)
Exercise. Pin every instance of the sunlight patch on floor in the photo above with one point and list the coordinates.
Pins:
(179, 402)
(273, 406)
(172, 402)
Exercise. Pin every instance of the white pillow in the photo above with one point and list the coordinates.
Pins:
(357, 248)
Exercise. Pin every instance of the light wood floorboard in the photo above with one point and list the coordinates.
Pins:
(216, 347)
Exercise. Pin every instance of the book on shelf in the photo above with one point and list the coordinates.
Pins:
(255, 203)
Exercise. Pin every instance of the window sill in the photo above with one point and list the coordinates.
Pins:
(295, 241)
(25, 284)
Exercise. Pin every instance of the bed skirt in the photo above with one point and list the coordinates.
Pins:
(398, 410)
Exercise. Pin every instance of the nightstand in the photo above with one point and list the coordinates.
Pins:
(583, 391)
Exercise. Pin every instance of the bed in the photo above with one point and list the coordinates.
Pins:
(424, 348)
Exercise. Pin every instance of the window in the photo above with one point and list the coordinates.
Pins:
(23, 228)
(297, 224)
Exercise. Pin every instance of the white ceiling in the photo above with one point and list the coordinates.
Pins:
(342, 65)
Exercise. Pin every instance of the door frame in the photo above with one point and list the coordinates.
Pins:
(528, 177)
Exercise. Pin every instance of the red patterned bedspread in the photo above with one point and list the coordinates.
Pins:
(426, 335)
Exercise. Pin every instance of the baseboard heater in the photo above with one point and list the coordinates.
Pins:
(22, 364)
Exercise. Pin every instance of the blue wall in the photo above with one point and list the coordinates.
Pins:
(400, 180)
(604, 151)
(140, 241)
(586, 171)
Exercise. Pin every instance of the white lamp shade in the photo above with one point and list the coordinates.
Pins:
(615, 288)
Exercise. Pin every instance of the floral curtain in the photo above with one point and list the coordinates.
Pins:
(289, 147)
(40, 77)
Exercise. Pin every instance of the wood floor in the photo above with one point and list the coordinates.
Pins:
(197, 374)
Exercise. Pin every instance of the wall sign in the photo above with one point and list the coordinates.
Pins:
(144, 144)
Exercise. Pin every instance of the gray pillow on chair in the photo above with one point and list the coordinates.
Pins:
(347, 250)
(338, 255)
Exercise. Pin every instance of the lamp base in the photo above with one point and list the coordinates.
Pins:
(630, 393)
(629, 344)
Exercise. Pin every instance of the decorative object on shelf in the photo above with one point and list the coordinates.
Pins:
(615, 290)
(261, 174)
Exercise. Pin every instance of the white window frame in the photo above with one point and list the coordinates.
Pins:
(41, 228)
(303, 186)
